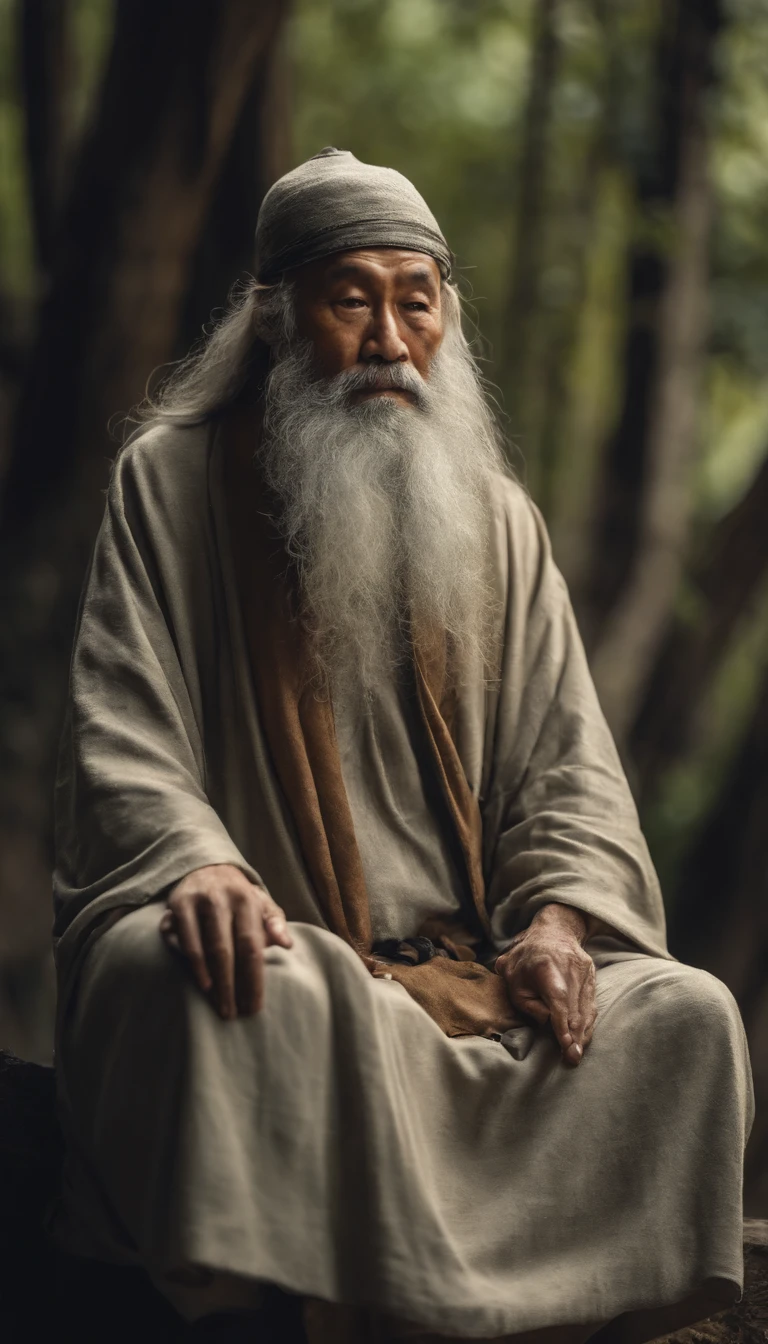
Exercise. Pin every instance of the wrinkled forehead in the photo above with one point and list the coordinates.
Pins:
(370, 267)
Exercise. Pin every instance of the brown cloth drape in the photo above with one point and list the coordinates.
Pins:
(463, 996)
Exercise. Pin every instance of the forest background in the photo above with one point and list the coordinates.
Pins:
(600, 168)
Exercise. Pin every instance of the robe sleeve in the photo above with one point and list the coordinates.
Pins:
(132, 815)
(560, 824)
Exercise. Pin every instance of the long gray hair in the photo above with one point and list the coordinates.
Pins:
(235, 355)
(384, 511)
(224, 363)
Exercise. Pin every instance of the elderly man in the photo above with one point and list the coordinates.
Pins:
(364, 987)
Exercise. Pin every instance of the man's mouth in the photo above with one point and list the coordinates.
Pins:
(386, 389)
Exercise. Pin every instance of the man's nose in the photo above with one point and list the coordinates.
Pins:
(383, 340)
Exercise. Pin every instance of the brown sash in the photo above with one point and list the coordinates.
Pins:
(463, 997)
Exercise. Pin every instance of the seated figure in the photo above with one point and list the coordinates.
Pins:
(364, 994)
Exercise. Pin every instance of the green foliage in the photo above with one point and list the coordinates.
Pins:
(17, 273)
(434, 90)
(91, 30)
(691, 787)
(438, 89)
(88, 37)
(735, 430)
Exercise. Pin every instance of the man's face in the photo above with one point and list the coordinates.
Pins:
(386, 504)
(371, 306)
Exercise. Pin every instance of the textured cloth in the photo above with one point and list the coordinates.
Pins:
(301, 735)
(408, 861)
(404, 836)
(164, 763)
(332, 203)
(340, 1144)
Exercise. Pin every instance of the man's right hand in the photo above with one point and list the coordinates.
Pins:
(221, 922)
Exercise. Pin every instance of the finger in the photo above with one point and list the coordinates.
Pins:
(573, 1055)
(249, 958)
(188, 935)
(581, 1025)
(275, 925)
(577, 1025)
(530, 1004)
(562, 991)
(557, 1015)
(218, 942)
(559, 998)
(588, 1006)
(561, 1027)
(168, 931)
(589, 1029)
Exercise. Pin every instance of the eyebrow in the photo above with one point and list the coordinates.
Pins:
(344, 269)
(422, 276)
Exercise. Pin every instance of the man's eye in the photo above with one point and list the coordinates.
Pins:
(352, 303)
(417, 306)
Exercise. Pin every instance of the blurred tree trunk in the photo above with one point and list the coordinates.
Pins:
(576, 232)
(46, 69)
(724, 585)
(179, 80)
(719, 919)
(643, 509)
(522, 318)
(259, 153)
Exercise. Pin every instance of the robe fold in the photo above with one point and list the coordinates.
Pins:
(463, 995)
(340, 1144)
(165, 766)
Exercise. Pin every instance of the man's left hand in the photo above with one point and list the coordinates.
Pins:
(550, 977)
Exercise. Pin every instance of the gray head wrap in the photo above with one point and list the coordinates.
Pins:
(334, 202)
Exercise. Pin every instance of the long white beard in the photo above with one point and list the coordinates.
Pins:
(385, 507)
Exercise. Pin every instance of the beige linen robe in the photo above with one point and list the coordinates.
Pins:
(339, 1144)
